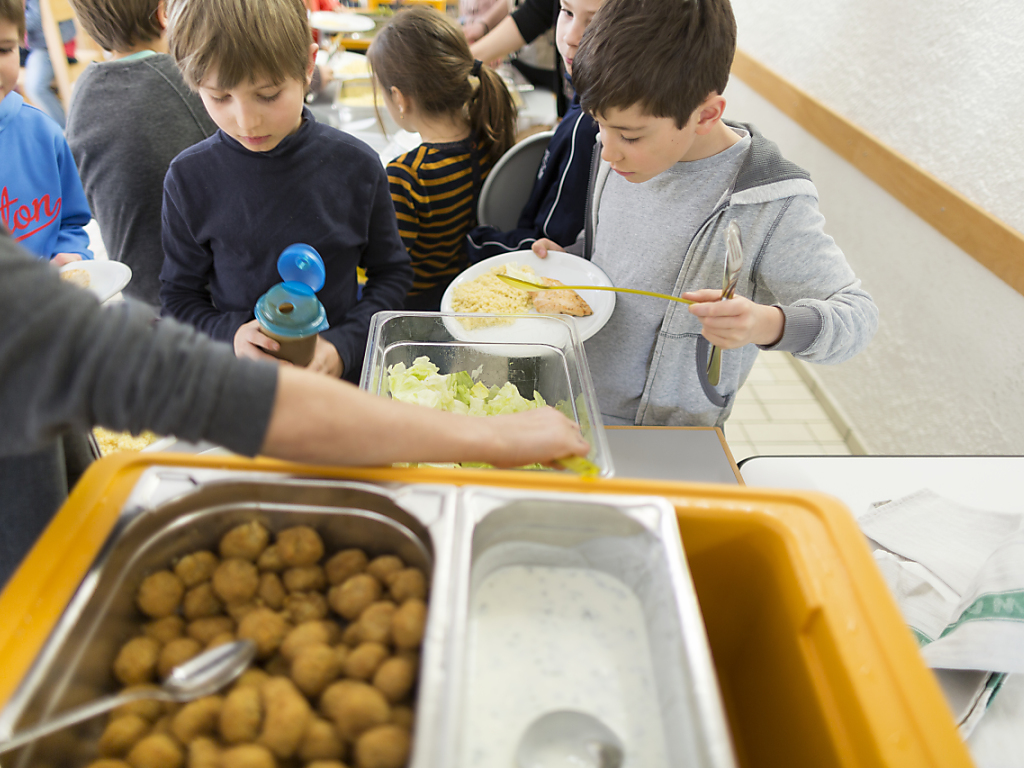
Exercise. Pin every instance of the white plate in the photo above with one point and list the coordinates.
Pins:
(569, 269)
(329, 21)
(106, 278)
(347, 65)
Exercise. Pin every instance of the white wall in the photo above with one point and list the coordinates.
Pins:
(941, 82)
(945, 373)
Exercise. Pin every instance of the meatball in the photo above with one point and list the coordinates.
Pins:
(306, 606)
(200, 602)
(176, 652)
(407, 583)
(197, 718)
(364, 659)
(344, 564)
(241, 717)
(385, 746)
(195, 568)
(204, 752)
(354, 707)
(235, 581)
(266, 628)
(287, 714)
(304, 578)
(136, 661)
(270, 560)
(166, 629)
(300, 545)
(160, 594)
(246, 541)
(321, 742)
(158, 750)
(375, 622)
(403, 716)
(308, 632)
(271, 591)
(121, 734)
(395, 678)
(205, 629)
(351, 598)
(409, 623)
(383, 566)
(248, 756)
(314, 667)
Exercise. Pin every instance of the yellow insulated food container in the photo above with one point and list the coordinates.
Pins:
(815, 664)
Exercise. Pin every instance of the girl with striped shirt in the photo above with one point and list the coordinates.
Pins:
(462, 110)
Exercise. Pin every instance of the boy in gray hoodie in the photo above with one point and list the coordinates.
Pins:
(670, 178)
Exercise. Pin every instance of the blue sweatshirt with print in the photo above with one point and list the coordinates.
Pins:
(41, 198)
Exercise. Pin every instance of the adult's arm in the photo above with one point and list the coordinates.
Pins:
(69, 363)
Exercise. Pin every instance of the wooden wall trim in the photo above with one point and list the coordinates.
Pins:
(990, 241)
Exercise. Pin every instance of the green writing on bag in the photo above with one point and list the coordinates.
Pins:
(1002, 606)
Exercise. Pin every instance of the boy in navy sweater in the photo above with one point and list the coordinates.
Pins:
(270, 177)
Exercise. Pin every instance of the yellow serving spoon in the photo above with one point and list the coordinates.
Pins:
(526, 285)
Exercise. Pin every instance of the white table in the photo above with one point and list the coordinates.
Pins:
(992, 483)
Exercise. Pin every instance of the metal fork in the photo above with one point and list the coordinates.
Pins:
(733, 265)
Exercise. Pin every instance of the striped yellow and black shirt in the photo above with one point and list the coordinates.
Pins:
(434, 191)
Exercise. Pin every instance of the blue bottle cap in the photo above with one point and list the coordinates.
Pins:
(300, 263)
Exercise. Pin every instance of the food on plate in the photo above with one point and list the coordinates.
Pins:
(349, 66)
(79, 277)
(111, 442)
(489, 294)
(566, 302)
(337, 686)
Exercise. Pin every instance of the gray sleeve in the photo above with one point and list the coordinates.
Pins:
(69, 363)
(829, 317)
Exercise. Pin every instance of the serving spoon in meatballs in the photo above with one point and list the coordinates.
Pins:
(200, 676)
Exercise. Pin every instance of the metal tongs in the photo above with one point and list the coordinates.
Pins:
(733, 265)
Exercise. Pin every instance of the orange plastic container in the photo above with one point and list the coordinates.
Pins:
(815, 663)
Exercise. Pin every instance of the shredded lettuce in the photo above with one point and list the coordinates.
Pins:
(422, 384)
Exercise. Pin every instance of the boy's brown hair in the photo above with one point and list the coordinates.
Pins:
(243, 39)
(667, 56)
(119, 25)
(13, 12)
(424, 54)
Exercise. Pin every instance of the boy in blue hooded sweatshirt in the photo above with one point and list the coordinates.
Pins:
(41, 199)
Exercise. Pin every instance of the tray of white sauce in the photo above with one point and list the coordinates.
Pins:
(580, 603)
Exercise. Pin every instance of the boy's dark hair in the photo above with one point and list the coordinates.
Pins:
(119, 25)
(424, 54)
(243, 39)
(667, 56)
(13, 11)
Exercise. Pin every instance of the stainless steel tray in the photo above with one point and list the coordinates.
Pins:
(635, 541)
(175, 511)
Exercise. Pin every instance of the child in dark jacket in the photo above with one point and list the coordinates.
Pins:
(555, 209)
(271, 177)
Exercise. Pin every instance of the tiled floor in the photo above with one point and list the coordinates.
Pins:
(776, 413)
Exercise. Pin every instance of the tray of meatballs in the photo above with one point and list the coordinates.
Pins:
(381, 637)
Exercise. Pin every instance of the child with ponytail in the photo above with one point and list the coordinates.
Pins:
(462, 110)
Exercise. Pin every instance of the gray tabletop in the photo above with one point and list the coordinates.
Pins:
(671, 453)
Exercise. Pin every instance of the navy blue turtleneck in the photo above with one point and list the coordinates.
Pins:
(228, 213)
